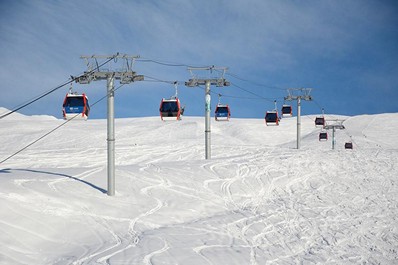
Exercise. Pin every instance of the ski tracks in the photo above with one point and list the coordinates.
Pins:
(246, 193)
(290, 216)
(125, 240)
(147, 259)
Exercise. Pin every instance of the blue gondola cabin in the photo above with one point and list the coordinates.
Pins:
(222, 113)
(75, 106)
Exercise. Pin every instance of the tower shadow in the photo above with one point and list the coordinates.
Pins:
(9, 170)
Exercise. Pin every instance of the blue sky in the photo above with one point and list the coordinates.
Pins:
(345, 50)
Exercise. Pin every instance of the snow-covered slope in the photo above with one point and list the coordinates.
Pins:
(259, 200)
(18, 116)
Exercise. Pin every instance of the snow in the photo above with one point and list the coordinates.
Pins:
(258, 200)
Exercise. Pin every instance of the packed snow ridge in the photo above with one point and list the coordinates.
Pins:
(258, 200)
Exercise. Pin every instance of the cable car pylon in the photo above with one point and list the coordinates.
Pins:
(126, 76)
(218, 81)
(299, 94)
(337, 125)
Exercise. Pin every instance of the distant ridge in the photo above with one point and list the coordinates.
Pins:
(19, 116)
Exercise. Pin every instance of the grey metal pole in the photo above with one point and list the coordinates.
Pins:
(111, 137)
(333, 139)
(298, 122)
(207, 119)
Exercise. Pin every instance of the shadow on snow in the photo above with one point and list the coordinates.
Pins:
(8, 170)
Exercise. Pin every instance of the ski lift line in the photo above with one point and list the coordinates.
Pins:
(40, 138)
(313, 120)
(154, 79)
(249, 98)
(254, 83)
(172, 64)
(317, 104)
(239, 97)
(56, 128)
(323, 109)
(29, 102)
(248, 91)
(350, 136)
(161, 81)
(34, 99)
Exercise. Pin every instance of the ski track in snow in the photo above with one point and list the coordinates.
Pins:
(250, 204)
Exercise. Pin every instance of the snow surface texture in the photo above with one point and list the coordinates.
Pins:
(259, 200)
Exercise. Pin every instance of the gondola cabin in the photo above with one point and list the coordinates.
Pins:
(222, 113)
(348, 145)
(271, 118)
(170, 109)
(320, 121)
(75, 106)
(287, 111)
(323, 136)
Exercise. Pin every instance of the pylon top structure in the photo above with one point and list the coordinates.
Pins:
(337, 124)
(197, 80)
(94, 72)
(296, 93)
(299, 94)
